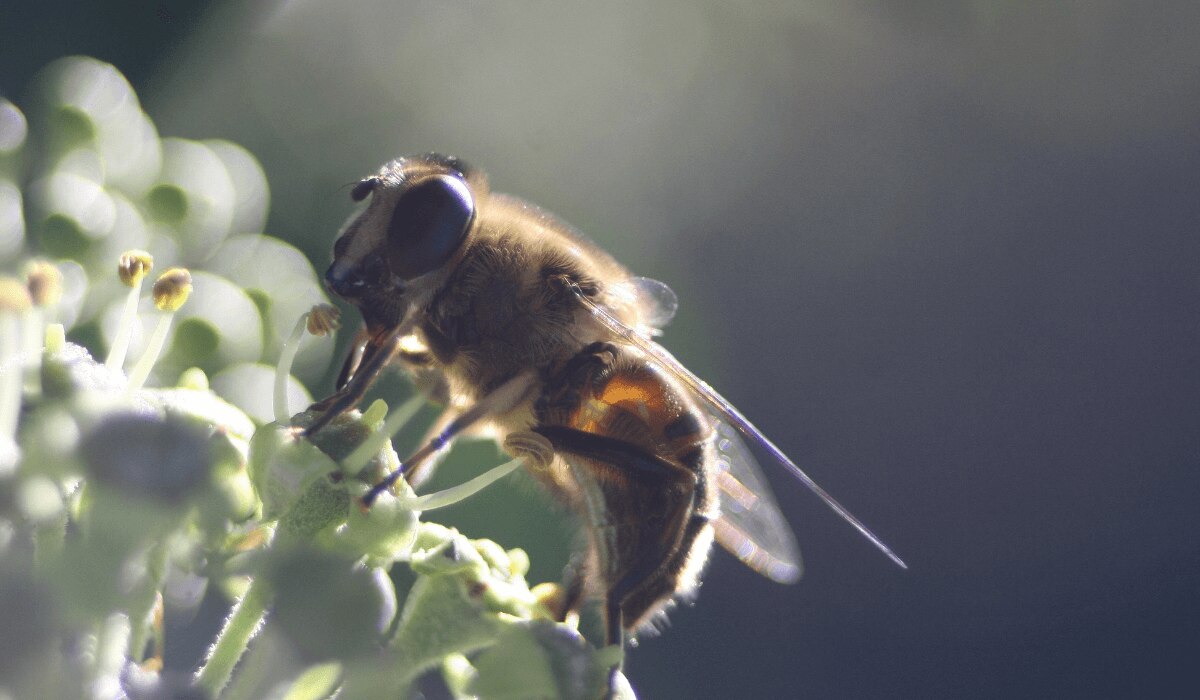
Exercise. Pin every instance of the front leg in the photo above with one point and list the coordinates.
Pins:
(418, 472)
(377, 353)
(510, 393)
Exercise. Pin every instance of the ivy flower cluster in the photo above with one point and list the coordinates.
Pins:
(151, 460)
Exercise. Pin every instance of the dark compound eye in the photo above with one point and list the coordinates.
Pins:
(364, 188)
(340, 246)
(429, 223)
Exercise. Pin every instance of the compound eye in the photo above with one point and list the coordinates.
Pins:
(429, 223)
(340, 246)
(364, 188)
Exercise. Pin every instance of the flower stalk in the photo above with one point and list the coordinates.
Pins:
(240, 627)
(132, 268)
(171, 290)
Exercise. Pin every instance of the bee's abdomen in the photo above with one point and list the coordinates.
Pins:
(611, 389)
(640, 453)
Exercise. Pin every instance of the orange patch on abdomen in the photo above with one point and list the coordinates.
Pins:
(638, 395)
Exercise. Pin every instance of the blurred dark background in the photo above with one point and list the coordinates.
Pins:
(944, 253)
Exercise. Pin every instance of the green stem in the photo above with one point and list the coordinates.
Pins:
(240, 627)
(31, 350)
(141, 611)
(284, 370)
(145, 363)
(454, 494)
(10, 374)
(257, 671)
(49, 538)
(120, 345)
(111, 640)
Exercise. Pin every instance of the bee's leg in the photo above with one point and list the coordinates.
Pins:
(574, 585)
(614, 623)
(421, 470)
(649, 502)
(349, 395)
(361, 347)
(377, 353)
(502, 398)
(362, 350)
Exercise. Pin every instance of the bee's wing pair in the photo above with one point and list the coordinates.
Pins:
(751, 526)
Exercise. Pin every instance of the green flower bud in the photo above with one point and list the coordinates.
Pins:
(544, 659)
(328, 607)
(141, 456)
(283, 467)
(384, 532)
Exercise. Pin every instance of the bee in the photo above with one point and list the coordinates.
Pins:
(525, 328)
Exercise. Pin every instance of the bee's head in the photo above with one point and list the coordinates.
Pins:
(419, 217)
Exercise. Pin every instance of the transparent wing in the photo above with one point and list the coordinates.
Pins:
(751, 527)
(658, 300)
(728, 413)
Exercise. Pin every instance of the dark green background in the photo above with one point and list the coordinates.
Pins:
(943, 252)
